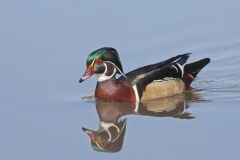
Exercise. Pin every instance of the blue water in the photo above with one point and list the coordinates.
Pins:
(43, 49)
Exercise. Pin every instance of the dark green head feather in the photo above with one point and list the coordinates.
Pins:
(105, 54)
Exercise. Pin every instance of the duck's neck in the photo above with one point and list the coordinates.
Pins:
(106, 75)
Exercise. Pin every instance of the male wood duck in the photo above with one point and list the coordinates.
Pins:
(162, 79)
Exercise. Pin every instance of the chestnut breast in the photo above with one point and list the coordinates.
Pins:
(114, 90)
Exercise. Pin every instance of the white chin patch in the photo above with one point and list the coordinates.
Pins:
(103, 77)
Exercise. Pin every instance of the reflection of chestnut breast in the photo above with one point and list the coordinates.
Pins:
(112, 111)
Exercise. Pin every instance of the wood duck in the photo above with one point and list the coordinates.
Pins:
(162, 79)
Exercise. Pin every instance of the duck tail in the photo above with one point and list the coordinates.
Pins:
(192, 69)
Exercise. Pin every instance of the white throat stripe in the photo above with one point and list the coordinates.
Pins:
(102, 77)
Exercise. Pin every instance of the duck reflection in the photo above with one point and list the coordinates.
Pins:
(112, 127)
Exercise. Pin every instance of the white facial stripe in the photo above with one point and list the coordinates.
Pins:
(93, 61)
(102, 77)
(117, 68)
(106, 68)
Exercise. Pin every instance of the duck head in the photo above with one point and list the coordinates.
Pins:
(104, 63)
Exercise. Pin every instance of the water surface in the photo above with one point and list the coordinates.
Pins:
(44, 45)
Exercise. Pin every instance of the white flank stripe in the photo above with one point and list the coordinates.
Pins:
(136, 93)
(137, 98)
(136, 107)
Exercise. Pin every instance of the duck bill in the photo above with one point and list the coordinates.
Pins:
(87, 74)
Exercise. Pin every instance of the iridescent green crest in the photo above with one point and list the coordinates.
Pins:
(105, 54)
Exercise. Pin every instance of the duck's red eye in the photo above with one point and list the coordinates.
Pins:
(98, 61)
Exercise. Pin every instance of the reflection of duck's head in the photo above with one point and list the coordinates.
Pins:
(109, 137)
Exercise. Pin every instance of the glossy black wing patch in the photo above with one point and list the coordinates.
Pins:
(137, 74)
